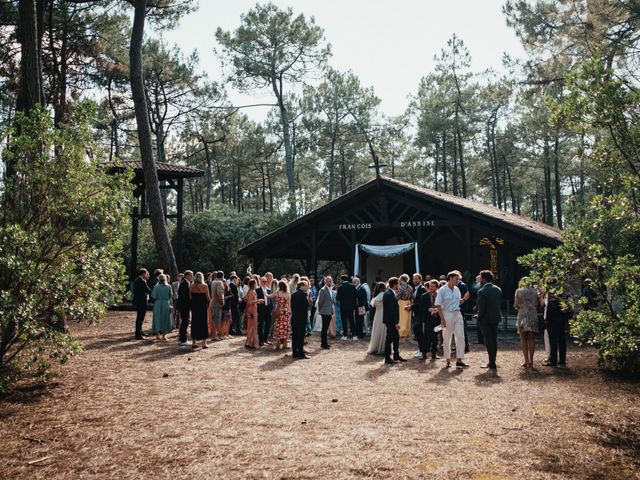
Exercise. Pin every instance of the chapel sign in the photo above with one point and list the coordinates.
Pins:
(397, 224)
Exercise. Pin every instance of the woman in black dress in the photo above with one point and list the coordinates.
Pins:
(199, 294)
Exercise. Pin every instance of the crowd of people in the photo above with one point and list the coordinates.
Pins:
(270, 312)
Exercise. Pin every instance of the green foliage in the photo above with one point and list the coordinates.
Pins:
(604, 242)
(212, 238)
(605, 248)
(272, 45)
(61, 227)
(599, 100)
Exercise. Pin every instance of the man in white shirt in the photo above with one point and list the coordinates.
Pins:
(448, 302)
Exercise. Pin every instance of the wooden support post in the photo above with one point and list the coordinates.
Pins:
(468, 250)
(419, 248)
(313, 258)
(133, 266)
(179, 224)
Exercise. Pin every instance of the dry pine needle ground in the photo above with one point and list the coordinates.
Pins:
(125, 409)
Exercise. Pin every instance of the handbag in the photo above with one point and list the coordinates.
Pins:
(275, 313)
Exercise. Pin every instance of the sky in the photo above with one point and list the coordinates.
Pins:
(390, 45)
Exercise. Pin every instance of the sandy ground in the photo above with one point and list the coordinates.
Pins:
(128, 409)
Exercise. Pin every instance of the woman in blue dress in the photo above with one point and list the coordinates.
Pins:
(161, 324)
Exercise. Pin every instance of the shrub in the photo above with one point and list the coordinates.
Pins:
(605, 248)
(212, 238)
(61, 229)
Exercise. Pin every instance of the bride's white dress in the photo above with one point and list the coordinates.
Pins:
(379, 329)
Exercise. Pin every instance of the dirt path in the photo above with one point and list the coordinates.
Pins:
(126, 409)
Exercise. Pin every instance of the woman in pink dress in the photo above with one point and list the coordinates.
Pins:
(282, 327)
(251, 315)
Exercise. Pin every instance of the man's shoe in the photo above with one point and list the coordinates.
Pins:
(302, 357)
(398, 358)
(389, 361)
(461, 364)
(423, 356)
(435, 357)
(484, 365)
(417, 354)
(325, 347)
(185, 344)
(344, 338)
(354, 338)
(493, 367)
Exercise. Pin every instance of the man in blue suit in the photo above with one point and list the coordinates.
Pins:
(391, 318)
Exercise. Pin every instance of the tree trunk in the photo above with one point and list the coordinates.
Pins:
(435, 170)
(152, 187)
(343, 167)
(60, 106)
(208, 172)
(114, 150)
(513, 197)
(220, 179)
(269, 187)
(556, 173)
(332, 163)
(495, 166)
(286, 138)
(547, 182)
(454, 148)
(463, 173)
(494, 198)
(31, 93)
(444, 161)
(264, 189)
(582, 173)
(239, 187)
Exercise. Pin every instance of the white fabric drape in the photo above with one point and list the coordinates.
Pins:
(384, 251)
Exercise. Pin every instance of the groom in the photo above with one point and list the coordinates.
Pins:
(391, 318)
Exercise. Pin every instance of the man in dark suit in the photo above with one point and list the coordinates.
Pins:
(184, 306)
(391, 318)
(361, 306)
(234, 302)
(489, 301)
(417, 323)
(141, 291)
(346, 295)
(264, 312)
(428, 313)
(299, 311)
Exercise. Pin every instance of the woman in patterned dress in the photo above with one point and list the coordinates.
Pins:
(251, 315)
(282, 327)
(405, 293)
(527, 301)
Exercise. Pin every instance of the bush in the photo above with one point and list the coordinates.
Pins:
(61, 229)
(212, 238)
(605, 248)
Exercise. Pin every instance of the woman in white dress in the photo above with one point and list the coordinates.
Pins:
(378, 329)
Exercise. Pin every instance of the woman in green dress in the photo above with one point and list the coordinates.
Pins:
(161, 294)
